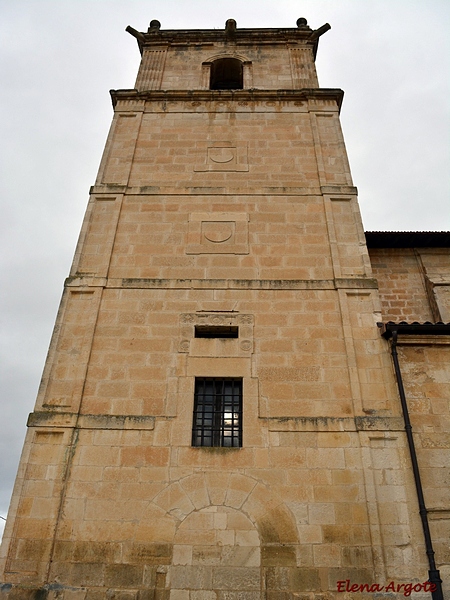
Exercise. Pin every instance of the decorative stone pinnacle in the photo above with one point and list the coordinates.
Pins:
(155, 25)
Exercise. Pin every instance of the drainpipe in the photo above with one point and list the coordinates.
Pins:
(433, 573)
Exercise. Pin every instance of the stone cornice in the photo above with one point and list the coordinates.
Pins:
(195, 37)
(317, 94)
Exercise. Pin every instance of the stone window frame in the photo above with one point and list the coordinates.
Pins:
(247, 67)
(226, 74)
(243, 344)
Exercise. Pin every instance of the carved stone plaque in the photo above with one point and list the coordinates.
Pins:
(241, 346)
(224, 156)
(218, 233)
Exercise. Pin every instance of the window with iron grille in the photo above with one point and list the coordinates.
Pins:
(217, 412)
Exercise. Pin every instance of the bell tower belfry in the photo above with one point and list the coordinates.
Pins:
(217, 407)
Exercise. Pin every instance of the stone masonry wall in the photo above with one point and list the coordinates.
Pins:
(401, 283)
(186, 66)
(234, 209)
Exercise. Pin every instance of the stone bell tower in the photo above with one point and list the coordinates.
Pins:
(217, 404)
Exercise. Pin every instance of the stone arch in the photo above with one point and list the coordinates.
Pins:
(226, 74)
(173, 536)
(245, 65)
(241, 57)
(264, 508)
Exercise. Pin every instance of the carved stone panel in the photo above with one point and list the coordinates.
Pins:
(217, 233)
(224, 156)
(242, 345)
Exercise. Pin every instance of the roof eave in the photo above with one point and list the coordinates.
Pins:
(403, 328)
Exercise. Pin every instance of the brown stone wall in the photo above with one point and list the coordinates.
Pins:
(401, 284)
(218, 237)
(137, 350)
(224, 143)
(414, 283)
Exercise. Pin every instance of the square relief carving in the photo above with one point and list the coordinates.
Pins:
(224, 156)
(217, 233)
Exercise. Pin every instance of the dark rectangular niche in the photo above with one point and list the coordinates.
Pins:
(216, 331)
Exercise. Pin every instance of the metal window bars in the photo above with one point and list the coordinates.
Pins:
(217, 412)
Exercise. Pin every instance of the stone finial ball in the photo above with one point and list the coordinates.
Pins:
(302, 22)
(155, 24)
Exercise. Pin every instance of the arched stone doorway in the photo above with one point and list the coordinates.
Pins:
(216, 551)
(224, 536)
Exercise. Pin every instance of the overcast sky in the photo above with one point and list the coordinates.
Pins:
(59, 58)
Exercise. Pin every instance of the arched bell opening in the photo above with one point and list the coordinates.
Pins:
(227, 74)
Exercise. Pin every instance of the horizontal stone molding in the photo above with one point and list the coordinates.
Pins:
(156, 190)
(358, 423)
(83, 281)
(56, 419)
(438, 514)
(362, 423)
(240, 100)
(424, 340)
(246, 284)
